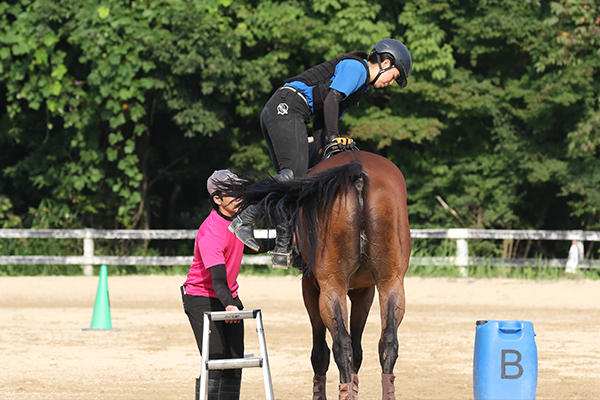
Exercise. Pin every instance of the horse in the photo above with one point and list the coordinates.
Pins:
(352, 233)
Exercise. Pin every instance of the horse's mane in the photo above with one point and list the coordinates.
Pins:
(300, 201)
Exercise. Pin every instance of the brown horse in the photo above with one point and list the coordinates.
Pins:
(353, 235)
(367, 245)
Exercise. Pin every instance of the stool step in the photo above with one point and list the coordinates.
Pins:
(232, 315)
(248, 361)
(234, 363)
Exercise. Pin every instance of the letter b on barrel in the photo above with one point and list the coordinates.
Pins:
(505, 361)
(505, 364)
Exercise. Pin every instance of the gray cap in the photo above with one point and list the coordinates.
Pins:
(221, 175)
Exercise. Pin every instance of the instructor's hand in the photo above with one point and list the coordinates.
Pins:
(232, 308)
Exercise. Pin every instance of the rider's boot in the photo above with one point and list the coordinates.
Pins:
(281, 256)
(284, 175)
(242, 226)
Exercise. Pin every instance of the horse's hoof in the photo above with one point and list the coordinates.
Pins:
(319, 387)
(387, 386)
(349, 391)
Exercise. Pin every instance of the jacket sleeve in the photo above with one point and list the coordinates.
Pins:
(331, 112)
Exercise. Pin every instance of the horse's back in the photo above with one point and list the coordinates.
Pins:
(386, 189)
(381, 170)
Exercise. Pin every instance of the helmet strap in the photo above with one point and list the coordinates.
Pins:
(381, 69)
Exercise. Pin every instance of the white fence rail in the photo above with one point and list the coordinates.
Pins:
(461, 236)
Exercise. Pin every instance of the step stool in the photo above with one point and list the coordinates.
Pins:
(233, 363)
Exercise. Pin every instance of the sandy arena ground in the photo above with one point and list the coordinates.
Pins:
(44, 354)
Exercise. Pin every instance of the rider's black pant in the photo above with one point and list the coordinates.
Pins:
(283, 122)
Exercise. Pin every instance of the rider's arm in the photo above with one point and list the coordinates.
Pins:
(349, 76)
(218, 275)
(331, 111)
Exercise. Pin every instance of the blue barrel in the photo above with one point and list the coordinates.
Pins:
(505, 361)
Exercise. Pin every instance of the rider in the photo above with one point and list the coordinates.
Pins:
(324, 92)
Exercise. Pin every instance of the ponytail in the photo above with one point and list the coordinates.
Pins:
(357, 53)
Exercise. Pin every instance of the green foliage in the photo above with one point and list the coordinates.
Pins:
(126, 64)
(36, 270)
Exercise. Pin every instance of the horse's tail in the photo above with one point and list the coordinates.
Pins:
(306, 202)
(314, 207)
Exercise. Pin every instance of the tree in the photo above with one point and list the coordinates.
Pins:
(113, 114)
(85, 84)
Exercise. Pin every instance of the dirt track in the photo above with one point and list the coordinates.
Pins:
(44, 354)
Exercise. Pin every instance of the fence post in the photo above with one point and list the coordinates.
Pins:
(88, 251)
(462, 256)
(462, 249)
(576, 255)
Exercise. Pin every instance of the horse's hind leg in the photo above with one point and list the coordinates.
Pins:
(392, 303)
(320, 352)
(361, 300)
(334, 312)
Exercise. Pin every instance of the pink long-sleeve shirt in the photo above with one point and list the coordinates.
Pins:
(214, 245)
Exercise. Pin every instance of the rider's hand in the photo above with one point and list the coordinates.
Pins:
(232, 308)
(338, 144)
(342, 141)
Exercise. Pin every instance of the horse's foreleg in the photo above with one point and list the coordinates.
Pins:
(320, 352)
(392, 303)
(361, 300)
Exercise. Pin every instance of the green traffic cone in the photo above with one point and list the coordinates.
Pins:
(101, 317)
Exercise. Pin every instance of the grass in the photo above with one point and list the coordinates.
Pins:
(478, 271)
(487, 271)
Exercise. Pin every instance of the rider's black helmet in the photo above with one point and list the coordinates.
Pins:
(401, 55)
